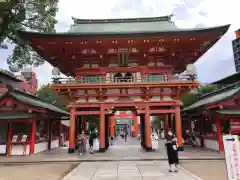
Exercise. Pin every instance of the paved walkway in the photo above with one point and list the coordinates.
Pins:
(119, 152)
(142, 170)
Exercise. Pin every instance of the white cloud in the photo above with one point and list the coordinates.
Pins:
(188, 13)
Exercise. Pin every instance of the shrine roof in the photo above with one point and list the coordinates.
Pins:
(131, 25)
(215, 96)
(32, 101)
(229, 111)
(9, 75)
(229, 79)
(140, 30)
(16, 115)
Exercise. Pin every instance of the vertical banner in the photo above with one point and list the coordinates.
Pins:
(232, 155)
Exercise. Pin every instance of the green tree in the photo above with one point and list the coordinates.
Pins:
(93, 122)
(47, 94)
(156, 122)
(34, 15)
(190, 98)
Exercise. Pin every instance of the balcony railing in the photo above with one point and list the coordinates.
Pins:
(140, 80)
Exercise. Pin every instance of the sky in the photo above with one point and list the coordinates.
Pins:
(215, 64)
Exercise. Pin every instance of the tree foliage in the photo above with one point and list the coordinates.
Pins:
(34, 15)
(156, 122)
(93, 122)
(190, 98)
(47, 94)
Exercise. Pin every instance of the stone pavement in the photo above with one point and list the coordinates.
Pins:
(119, 152)
(141, 170)
(36, 171)
(207, 170)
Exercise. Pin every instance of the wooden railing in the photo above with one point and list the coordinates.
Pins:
(140, 80)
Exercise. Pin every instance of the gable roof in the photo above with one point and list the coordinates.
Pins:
(215, 97)
(134, 25)
(31, 100)
(229, 79)
(9, 75)
(17, 115)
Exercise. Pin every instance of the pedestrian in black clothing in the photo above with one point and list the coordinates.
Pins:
(172, 151)
(91, 139)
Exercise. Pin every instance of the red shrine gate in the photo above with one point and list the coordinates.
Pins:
(124, 64)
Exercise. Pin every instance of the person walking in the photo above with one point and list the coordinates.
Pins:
(80, 145)
(172, 151)
(91, 138)
(125, 136)
(194, 139)
(111, 140)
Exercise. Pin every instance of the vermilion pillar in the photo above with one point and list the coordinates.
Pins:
(148, 141)
(166, 125)
(102, 129)
(9, 139)
(112, 122)
(33, 137)
(178, 124)
(219, 135)
(72, 131)
(135, 125)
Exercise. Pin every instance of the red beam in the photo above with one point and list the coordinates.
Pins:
(127, 104)
(89, 112)
(159, 111)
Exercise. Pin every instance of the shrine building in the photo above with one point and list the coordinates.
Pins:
(28, 124)
(216, 113)
(124, 64)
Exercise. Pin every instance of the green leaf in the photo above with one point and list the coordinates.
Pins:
(33, 15)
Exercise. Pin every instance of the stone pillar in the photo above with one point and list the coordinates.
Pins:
(148, 139)
(72, 131)
(178, 127)
(219, 135)
(102, 129)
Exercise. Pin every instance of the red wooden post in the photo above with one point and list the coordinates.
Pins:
(148, 129)
(166, 125)
(72, 132)
(135, 125)
(112, 119)
(219, 135)
(33, 137)
(178, 124)
(102, 128)
(9, 148)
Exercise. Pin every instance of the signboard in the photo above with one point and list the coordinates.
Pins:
(235, 126)
(232, 155)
